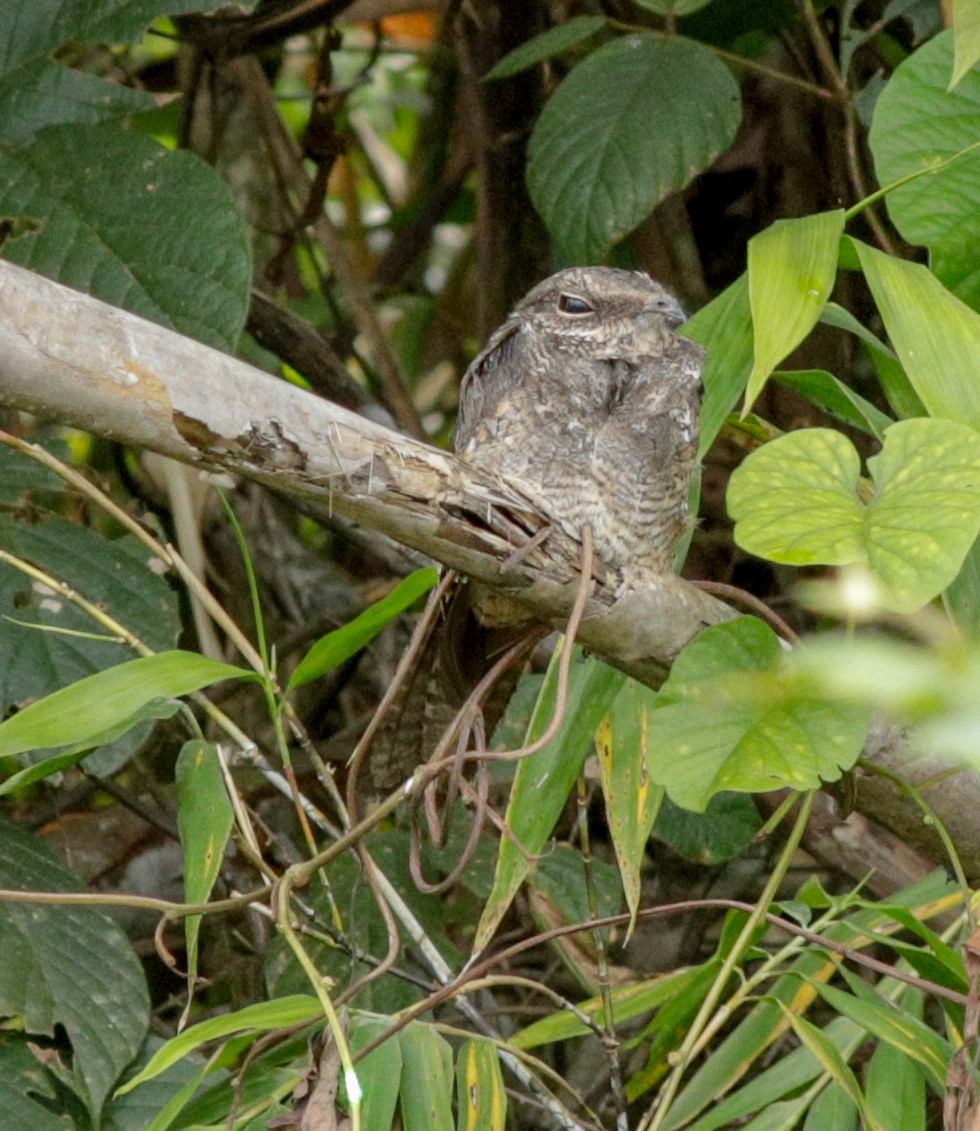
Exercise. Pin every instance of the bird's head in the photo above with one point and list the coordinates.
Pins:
(602, 312)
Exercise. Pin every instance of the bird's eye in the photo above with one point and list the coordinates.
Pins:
(574, 304)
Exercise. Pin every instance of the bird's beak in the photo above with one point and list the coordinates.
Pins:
(672, 313)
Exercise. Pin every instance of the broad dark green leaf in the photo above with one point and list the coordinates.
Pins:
(167, 242)
(94, 704)
(635, 121)
(546, 45)
(29, 1099)
(70, 967)
(725, 720)
(919, 124)
(795, 501)
(726, 827)
(332, 650)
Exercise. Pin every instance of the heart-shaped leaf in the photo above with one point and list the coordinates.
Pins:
(795, 501)
(727, 720)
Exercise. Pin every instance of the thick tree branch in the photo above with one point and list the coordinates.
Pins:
(69, 357)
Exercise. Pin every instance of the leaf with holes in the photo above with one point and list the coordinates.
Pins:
(635, 121)
(795, 501)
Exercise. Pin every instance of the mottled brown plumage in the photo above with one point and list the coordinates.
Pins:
(588, 399)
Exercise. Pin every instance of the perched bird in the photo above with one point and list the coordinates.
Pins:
(588, 400)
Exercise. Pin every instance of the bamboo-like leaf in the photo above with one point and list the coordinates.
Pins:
(480, 1095)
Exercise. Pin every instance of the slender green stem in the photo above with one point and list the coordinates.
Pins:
(938, 167)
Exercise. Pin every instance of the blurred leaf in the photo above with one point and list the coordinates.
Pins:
(546, 45)
(726, 827)
(635, 121)
(20, 476)
(936, 337)
(427, 1079)
(792, 267)
(480, 1094)
(379, 1073)
(963, 594)
(92, 705)
(632, 800)
(205, 821)
(336, 647)
(673, 7)
(966, 31)
(825, 391)
(167, 242)
(725, 721)
(259, 1018)
(68, 967)
(795, 501)
(543, 781)
(919, 124)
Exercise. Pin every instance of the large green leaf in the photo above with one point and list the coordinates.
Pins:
(824, 389)
(795, 501)
(725, 720)
(543, 781)
(635, 121)
(966, 29)
(70, 967)
(936, 337)
(544, 46)
(167, 242)
(378, 1073)
(792, 267)
(919, 125)
(98, 702)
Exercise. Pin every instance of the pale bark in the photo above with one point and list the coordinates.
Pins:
(68, 357)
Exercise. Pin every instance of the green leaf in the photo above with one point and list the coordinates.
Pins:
(966, 30)
(792, 267)
(546, 45)
(155, 709)
(896, 1089)
(724, 328)
(115, 575)
(725, 720)
(832, 1110)
(427, 1078)
(260, 1018)
(98, 702)
(827, 392)
(920, 125)
(481, 1098)
(795, 501)
(332, 650)
(673, 7)
(635, 121)
(70, 967)
(936, 337)
(205, 819)
(378, 1073)
(632, 800)
(543, 781)
(726, 827)
(29, 1098)
(167, 242)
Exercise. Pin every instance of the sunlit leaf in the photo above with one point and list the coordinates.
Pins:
(792, 267)
(93, 705)
(795, 501)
